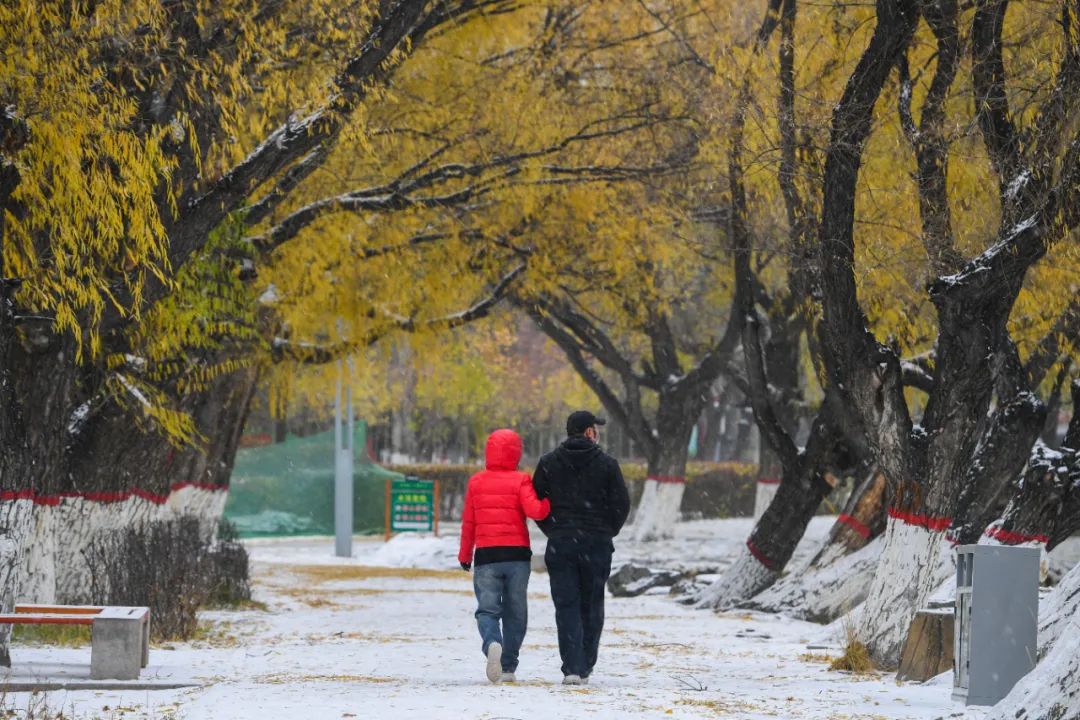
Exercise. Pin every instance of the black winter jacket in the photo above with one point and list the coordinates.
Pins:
(586, 488)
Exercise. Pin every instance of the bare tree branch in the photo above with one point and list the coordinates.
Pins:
(764, 413)
(991, 100)
(931, 146)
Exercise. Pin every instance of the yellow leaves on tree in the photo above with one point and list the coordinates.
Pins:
(89, 182)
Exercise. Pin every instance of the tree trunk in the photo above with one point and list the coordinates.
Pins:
(771, 543)
(742, 437)
(770, 471)
(914, 561)
(999, 459)
(17, 519)
(780, 353)
(838, 577)
(807, 474)
(965, 466)
(712, 434)
(658, 510)
(22, 474)
(122, 476)
(824, 593)
(1045, 505)
(862, 520)
(37, 377)
(15, 508)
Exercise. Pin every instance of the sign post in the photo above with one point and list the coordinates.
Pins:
(412, 505)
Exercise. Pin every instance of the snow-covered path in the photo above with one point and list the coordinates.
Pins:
(367, 638)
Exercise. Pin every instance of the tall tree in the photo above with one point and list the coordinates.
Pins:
(402, 225)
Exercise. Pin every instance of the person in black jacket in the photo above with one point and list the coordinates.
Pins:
(589, 504)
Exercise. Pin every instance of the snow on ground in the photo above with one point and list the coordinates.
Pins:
(389, 634)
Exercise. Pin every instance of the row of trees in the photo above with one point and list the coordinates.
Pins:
(951, 434)
(202, 197)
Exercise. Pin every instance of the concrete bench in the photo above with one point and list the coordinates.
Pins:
(119, 636)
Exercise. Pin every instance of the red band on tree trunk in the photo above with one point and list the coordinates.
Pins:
(10, 495)
(932, 524)
(855, 525)
(667, 478)
(768, 481)
(758, 555)
(105, 496)
(1014, 538)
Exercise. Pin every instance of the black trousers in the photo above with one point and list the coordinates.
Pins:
(578, 568)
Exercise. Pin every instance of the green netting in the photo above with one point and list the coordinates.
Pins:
(288, 488)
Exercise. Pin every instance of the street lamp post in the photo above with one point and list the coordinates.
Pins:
(343, 470)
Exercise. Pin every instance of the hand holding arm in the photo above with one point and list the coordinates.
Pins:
(533, 506)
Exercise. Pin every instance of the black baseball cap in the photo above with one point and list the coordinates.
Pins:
(580, 421)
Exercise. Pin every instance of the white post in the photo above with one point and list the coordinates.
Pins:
(343, 471)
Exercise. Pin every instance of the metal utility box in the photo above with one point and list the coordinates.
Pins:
(997, 618)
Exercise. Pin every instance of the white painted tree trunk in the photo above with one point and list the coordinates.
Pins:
(743, 579)
(16, 527)
(910, 568)
(206, 504)
(56, 569)
(822, 593)
(39, 570)
(1059, 614)
(81, 521)
(832, 553)
(658, 510)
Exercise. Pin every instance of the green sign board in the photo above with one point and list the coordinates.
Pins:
(411, 505)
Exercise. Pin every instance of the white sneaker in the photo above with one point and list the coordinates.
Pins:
(508, 677)
(585, 680)
(494, 662)
(572, 680)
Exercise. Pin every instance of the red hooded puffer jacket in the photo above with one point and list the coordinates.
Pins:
(498, 499)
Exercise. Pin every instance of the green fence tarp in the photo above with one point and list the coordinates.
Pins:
(288, 488)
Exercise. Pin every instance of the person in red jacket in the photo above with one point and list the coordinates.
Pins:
(495, 545)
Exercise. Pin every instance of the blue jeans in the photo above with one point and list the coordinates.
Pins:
(502, 594)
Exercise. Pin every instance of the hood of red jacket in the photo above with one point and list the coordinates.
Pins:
(503, 450)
